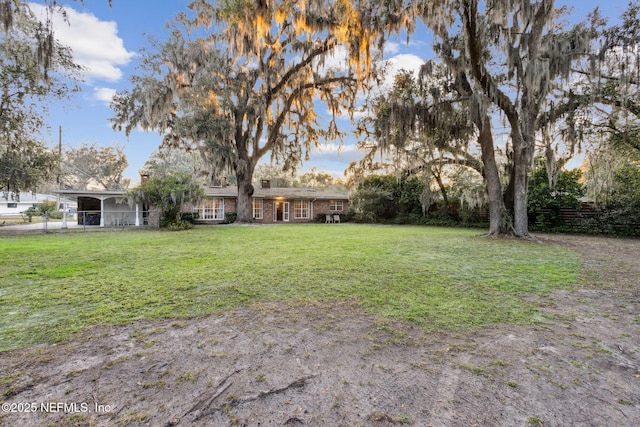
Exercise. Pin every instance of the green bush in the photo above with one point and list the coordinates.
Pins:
(619, 217)
(179, 226)
(169, 193)
(46, 208)
(320, 217)
(55, 215)
(190, 217)
(546, 201)
(30, 213)
(230, 217)
(385, 198)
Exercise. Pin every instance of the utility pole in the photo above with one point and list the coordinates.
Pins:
(64, 205)
(59, 169)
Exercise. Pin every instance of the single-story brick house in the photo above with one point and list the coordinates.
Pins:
(273, 205)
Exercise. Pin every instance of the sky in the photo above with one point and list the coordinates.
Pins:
(107, 41)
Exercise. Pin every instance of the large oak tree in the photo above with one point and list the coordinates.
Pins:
(606, 94)
(516, 57)
(240, 79)
(26, 85)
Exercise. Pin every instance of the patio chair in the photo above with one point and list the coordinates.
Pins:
(336, 219)
(328, 219)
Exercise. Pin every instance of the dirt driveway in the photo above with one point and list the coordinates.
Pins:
(331, 364)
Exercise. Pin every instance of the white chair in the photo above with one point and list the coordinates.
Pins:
(328, 219)
(336, 219)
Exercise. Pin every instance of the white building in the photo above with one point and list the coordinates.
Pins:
(11, 204)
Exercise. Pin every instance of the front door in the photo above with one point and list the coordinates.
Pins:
(280, 211)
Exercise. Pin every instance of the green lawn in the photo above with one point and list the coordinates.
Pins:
(52, 285)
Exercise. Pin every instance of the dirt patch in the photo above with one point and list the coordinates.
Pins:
(332, 364)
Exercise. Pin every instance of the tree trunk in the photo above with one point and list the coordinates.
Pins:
(443, 189)
(497, 224)
(507, 196)
(520, 177)
(244, 173)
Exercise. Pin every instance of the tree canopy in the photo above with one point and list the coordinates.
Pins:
(167, 161)
(239, 80)
(44, 43)
(25, 161)
(90, 165)
(606, 94)
(168, 193)
(514, 56)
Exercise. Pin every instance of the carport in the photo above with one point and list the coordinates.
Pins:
(107, 208)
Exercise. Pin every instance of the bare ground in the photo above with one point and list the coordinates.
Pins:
(332, 364)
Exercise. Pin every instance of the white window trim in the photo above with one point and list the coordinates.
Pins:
(217, 212)
(220, 211)
(260, 210)
(302, 209)
(333, 205)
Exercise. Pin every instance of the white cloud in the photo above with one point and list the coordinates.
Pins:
(403, 61)
(391, 48)
(104, 94)
(406, 61)
(334, 152)
(333, 158)
(95, 43)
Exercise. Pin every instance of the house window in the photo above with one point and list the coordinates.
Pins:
(335, 205)
(257, 208)
(301, 209)
(212, 209)
(12, 205)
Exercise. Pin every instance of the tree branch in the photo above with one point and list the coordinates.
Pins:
(628, 77)
(275, 131)
(326, 47)
(479, 71)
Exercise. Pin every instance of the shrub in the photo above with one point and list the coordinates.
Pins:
(545, 200)
(177, 225)
(320, 217)
(190, 217)
(46, 208)
(30, 213)
(55, 215)
(374, 203)
(230, 217)
(620, 216)
(169, 193)
(383, 198)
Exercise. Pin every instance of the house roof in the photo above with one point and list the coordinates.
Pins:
(274, 192)
(228, 192)
(91, 193)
